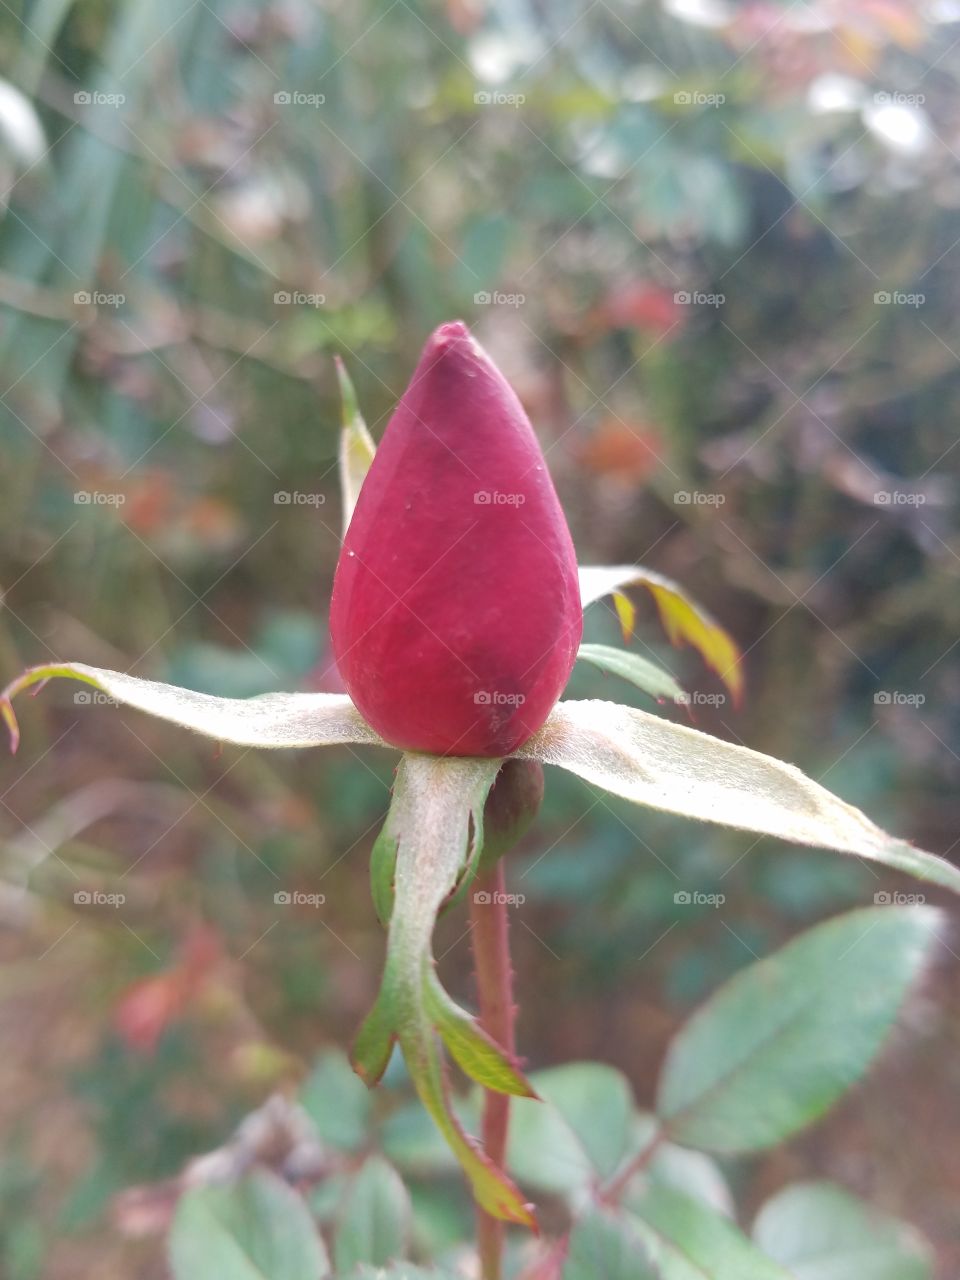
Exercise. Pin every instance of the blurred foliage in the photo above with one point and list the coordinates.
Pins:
(716, 248)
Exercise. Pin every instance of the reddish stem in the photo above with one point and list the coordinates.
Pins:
(491, 954)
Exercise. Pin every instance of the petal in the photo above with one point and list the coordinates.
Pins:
(667, 766)
(270, 720)
(682, 618)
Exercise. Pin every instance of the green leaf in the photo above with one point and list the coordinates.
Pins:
(435, 801)
(780, 1042)
(689, 1241)
(821, 1232)
(578, 1134)
(607, 1245)
(356, 445)
(336, 1101)
(269, 720)
(383, 865)
(644, 674)
(652, 761)
(475, 1052)
(682, 618)
(258, 1229)
(375, 1223)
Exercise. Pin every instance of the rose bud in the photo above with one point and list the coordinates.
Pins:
(456, 613)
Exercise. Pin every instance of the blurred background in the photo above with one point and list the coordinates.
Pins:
(716, 248)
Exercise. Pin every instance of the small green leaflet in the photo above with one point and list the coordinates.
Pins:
(646, 675)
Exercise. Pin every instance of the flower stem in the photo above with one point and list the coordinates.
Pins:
(491, 953)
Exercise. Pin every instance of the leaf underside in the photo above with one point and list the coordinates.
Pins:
(652, 761)
(270, 720)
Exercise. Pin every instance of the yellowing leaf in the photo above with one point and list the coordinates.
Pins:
(682, 619)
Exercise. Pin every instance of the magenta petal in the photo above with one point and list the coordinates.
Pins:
(456, 613)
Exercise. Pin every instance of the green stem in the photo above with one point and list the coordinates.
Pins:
(489, 938)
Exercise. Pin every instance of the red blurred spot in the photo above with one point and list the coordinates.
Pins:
(622, 450)
(641, 305)
(150, 1005)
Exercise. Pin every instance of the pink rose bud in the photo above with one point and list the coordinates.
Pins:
(456, 613)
